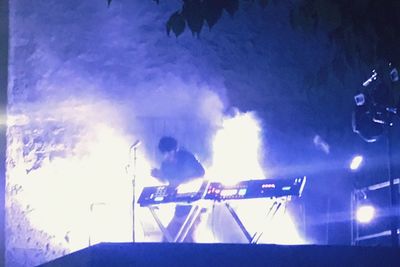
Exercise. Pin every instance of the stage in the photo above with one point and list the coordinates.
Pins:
(232, 255)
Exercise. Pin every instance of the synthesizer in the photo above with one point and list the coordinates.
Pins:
(166, 194)
(266, 188)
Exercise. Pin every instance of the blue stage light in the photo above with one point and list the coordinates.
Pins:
(365, 213)
(356, 162)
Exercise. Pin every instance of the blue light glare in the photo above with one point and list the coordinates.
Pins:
(356, 162)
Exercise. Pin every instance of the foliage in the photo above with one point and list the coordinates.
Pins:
(195, 13)
(364, 32)
(364, 29)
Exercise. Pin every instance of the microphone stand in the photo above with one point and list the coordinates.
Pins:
(134, 147)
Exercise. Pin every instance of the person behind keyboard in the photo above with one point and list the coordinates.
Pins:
(178, 166)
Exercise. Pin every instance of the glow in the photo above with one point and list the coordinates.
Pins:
(268, 186)
(320, 144)
(158, 199)
(218, 225)
(236, 150)
(356, 162)
(236, 158)
(277, 229)
(242, 192)
(190, 187)
(228, 192)
(83, 196)
(365, 214)
(203, 232)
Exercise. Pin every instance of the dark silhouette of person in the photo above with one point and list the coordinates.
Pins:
(178, 166)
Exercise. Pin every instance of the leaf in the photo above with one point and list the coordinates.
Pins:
(231, 6)
(176, 23)
(192, 11)
(212, 11)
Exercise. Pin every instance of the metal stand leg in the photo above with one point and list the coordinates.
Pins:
(353, 219)
(164, 230)
(185, 227)
(188, 224)
(257, 235)
(394, 191)
(275, 207)
(239, 223)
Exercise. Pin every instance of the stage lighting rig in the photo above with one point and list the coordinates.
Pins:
(376, 105)
(375, 112)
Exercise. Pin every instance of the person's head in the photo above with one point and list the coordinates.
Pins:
(167, 146)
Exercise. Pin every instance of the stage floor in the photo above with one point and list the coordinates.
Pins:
(232, 255)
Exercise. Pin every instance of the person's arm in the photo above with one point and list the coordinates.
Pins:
(199, 169)
(159, 174)
(193, 168)
(156, 173)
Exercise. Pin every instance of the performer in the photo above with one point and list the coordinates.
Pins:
(178, 166)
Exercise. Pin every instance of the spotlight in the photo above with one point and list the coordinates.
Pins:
(356, 162)
(365, 213)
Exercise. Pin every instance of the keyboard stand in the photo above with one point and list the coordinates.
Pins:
(239, 222)
(184, 229)
(253, 239)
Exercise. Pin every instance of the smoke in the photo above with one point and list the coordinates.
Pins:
(188, 110)
(76, 107)
(64, 156)
(69, 155)
(236, 149)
